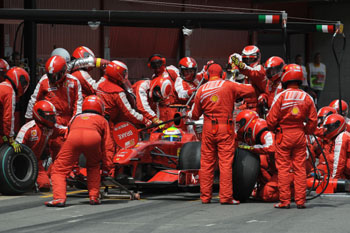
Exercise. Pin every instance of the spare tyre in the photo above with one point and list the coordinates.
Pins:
(18, 171)
(246, 168)
(190, 156)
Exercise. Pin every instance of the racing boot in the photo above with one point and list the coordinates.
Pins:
(301, 206)
(281, 205)
(233, 202)
(56, 203)
(94, 200)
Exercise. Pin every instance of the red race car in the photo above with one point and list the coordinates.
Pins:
(168, 158)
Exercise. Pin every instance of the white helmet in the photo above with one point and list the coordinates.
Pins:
(61, 52)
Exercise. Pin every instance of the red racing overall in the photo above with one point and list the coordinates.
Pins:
(215, 100)
(89, 134)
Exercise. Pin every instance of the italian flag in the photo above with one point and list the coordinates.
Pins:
(325, 28)
(269, 19)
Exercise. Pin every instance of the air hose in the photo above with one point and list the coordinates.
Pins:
(339, 60)
(328, 171)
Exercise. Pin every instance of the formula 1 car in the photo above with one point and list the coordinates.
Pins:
(169, 158)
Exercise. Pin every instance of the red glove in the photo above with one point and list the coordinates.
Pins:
(262, 100)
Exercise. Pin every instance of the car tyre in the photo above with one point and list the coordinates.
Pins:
(18, 171)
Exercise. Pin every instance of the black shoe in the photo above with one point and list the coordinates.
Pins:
(301, 206)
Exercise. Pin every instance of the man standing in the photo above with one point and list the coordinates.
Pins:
(215, 100)
(316, 75)
(292, 115)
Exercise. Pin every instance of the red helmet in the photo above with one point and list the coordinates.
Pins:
(117, 72)
(254, 130)
(156, 61)
(344, 107)
(93, 103)
(333, 125)
(243, 119)
(56, 69)
(82, 52)
(4, 67)
(292, 73)
(19, 79)
(188, 68)
(160, 89)
(44, 112)
(323, 113)
(274, 67)
(251, 55)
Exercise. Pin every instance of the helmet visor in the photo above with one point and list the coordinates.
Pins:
(49, 118)
(156, 64)
(249, 59)
(329, 128)
(188, 74)
(55, 77)
(240, 124)
(272, 71)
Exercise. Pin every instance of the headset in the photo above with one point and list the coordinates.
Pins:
(160, 58)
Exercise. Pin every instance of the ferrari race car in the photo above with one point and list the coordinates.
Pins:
(168, 158)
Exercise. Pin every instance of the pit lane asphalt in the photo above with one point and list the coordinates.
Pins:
(170, 212)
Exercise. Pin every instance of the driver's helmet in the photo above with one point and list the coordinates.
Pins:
(172, 134)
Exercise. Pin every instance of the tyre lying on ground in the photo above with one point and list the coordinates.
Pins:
(18, 171)
(246, 167)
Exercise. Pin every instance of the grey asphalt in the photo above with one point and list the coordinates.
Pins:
(170, 212)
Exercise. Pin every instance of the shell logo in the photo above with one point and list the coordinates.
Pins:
(33, 133)
(295, 110)
(214, 98)
(85, 118)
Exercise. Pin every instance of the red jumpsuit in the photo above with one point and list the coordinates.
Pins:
(290, 110)
(337, 152)
(256, 76)
(67, 98)
(272, 89)
(147, 107)
(89, 134)
(7, 110)
(88, 84)
(36, 138)
(215, 100)
(117, 105)
(267, 181)
(185, 89)
(171, 73)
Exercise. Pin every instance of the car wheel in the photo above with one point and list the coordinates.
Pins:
(18, 171)
(190, 156)
(246, 167)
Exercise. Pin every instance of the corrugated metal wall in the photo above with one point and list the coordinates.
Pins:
(134, 45)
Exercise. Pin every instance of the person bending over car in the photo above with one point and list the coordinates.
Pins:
(88, 133)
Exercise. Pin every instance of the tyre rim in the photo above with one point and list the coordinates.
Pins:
(22, 167)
